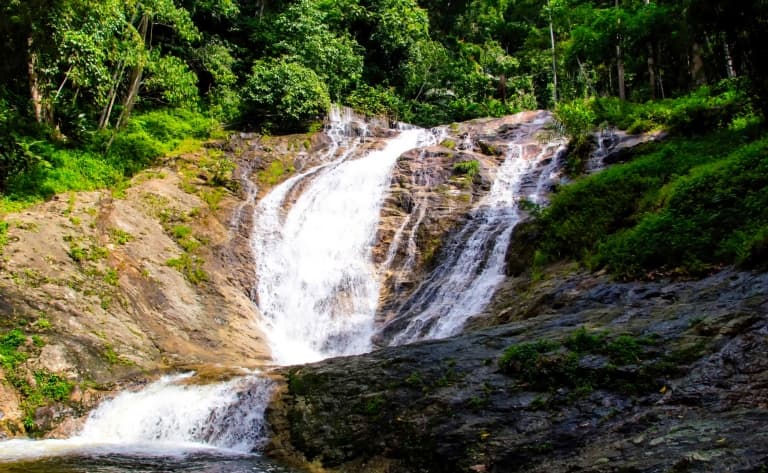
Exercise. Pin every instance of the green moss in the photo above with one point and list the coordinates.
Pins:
(121, 237)
(274, 173)
(190, 266)
(582, 341)
(10, 356)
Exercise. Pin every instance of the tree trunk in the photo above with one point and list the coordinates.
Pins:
(697, 65)
(728, 59)
(34, 86)
(554, 59)
(135, 82)
(651, 72)
(112, 97)
(620, 64)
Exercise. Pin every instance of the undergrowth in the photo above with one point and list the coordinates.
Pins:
(104, 160)
(685, 205)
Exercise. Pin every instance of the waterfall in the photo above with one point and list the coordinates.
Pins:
(472, 264)
(317, 286)
(167, 417)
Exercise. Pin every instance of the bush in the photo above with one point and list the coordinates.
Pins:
(716, 213)
(575, 119)
(53, 168)
(468, 168)
(287, 93)
(375, 101)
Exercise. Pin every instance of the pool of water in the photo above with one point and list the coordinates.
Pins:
(120, 463)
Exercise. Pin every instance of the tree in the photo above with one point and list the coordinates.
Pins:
(306, 39)
(285, 92)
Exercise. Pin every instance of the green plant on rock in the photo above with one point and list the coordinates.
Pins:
(525, 359)
(10, 342)
(467, 168)
(190, 266)
(217, 167)
(121, 237)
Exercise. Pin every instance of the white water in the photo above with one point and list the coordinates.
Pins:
(317, 286)
(169, 418)
(166, 418)
(318, 291)
(473, 263)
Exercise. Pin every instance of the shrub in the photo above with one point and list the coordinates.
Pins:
(286, 92)
(575, 119)
(468, 168)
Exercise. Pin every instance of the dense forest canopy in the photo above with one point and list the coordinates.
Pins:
(75, 71)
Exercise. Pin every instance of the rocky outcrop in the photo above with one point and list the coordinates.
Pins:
(601, 376)
(433, 190)
(117, 286)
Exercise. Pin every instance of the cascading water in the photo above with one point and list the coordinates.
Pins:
(317, 286)
(168, 417)
(472, 265)
(172, 418)
(318, 289)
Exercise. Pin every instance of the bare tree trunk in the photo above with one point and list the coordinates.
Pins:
(107, 111)
(651, 65)
(728, 59)
(697, 65)
(651, 71)
(135, 82)
(554, 59)
(620, 64)
(34, 86)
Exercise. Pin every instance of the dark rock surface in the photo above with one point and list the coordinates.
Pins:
(675, 379)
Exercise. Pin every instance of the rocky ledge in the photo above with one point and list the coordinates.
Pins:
(584, 374)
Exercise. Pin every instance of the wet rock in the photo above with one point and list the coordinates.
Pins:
(680, 400)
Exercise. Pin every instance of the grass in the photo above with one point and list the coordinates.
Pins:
(121, 237)
(274, 173)
(60, 167)
(190, 266)
(467, 168)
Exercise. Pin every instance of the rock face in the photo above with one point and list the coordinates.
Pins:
(431, 194)
(641, 377)
(118, 287)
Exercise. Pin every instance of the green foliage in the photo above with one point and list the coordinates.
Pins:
(581, 341)
(111, 277)
(575, 119)
(3, 235)
(715, 213)
(287, 92)
(171, 79)
(468, 168)
(702, 111)
(585, 361)
(274, 173)
(10, 356)
(58, 168)
(683, 205)
(526, 359)
(217, 168)
(306, 39)
(180, 232)
(121, 237)
(190, 266)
